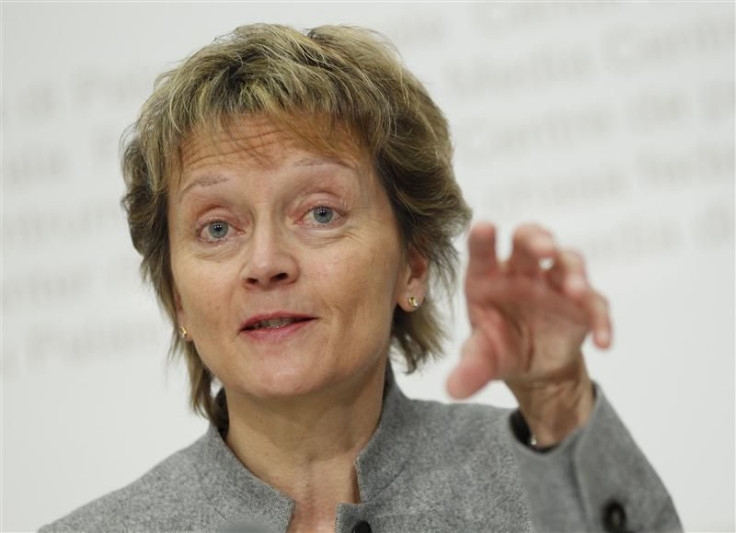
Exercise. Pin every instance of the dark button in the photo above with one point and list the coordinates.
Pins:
(614, 517)
(362, 527)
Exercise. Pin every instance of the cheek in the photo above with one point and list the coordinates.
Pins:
(203, 288)
(360, 283)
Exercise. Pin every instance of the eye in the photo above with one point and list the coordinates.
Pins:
(217, 230)
(322, 214)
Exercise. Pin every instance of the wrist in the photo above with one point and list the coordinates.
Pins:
(554, 409)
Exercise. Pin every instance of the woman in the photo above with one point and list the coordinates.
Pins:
(294, 202)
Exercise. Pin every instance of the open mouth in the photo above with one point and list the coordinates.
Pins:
(274, 323)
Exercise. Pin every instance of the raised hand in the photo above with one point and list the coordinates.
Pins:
(529, 316)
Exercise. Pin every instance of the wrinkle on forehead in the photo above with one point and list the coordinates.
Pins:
(259, 136)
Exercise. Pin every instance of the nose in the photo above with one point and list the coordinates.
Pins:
(270, 261)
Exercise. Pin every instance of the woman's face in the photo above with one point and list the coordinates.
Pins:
(287, 263)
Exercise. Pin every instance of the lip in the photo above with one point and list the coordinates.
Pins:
(275, 333)
(271, 316)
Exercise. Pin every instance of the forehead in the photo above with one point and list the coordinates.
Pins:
(261, 141)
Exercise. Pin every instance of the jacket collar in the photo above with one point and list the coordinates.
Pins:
(243, 501)
(242, 498)
(380, 462)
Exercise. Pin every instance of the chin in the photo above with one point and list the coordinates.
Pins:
(287, 381)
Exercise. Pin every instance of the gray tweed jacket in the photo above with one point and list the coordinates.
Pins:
(429, 467)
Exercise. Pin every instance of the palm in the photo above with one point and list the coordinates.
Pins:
(523, 326)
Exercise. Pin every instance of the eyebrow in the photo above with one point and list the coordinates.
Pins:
(317, 161)
(209, 180)
(204, 181)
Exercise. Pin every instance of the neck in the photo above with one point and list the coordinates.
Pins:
(306, 446)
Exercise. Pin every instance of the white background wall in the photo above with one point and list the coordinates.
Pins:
(613, 124)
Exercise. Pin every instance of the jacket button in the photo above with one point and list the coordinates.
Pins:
(614, 517)
(362, 527)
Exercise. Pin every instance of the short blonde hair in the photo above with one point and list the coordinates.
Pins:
(353, 78)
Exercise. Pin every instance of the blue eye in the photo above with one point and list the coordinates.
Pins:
(323, 215)
(218, 229)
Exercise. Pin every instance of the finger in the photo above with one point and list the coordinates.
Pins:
(482, 250)
(472, 373)
(531, 244)
(568, 274)
(600, 319)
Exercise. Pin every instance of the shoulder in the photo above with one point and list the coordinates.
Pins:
(465, 435)
(460, 467)
(160, 499)
(462, 423)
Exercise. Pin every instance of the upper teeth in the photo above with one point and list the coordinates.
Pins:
(272, 323)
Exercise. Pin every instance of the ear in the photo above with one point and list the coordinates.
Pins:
(181, 317)
(413, 283)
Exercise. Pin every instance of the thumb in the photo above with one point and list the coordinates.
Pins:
(476, 368)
